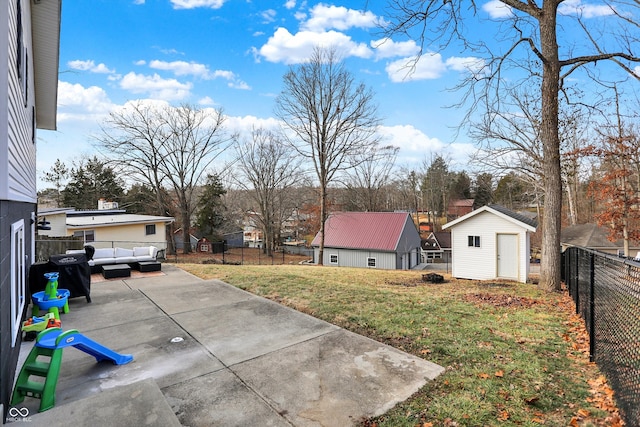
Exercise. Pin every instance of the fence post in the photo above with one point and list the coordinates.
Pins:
(576, 260)
(592, 305)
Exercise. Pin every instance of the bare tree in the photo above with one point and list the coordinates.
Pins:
(329, 119)
(530, 31)
(270, 172)
(510, 142)
(370, 173)
(166, 146)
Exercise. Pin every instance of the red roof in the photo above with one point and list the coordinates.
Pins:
(364, 230)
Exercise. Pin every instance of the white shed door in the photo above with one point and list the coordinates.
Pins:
(508, 256)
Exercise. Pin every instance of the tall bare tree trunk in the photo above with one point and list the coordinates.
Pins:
(552, 217)
(323, 218)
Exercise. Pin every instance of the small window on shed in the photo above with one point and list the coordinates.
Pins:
(371, 262)
(333, 259)
(150, 229)
(474, 241)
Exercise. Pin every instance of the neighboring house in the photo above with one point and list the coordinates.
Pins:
(234, 239)
(178, 238)
(387, 240)
(30, 43)
(252, 233)
(436, 247)
(458, 208)
(594, 237)
(492, 242)
(107, 228)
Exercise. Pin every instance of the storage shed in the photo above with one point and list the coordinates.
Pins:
(387, 240)
(492, 242)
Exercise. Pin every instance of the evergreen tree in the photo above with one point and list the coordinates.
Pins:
(90, 181)
(211, 208)
(484, 190)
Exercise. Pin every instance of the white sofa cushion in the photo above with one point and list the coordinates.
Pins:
(146, 252)
(104, 253)
(124, 253)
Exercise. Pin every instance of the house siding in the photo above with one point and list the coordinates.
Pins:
(127, 236)
(357, 258)
(10, 212)
(480, 263)
(17, 176)
(408, 246)
(17, 148)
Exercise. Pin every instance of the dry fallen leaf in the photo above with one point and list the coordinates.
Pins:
(503, 416)
(499, 374)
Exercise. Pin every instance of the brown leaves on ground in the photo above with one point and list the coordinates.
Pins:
(601, 394)
(501, 300)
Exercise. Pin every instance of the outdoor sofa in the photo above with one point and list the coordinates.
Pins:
(112, 256)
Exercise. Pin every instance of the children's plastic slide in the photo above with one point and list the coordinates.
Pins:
(57, 339)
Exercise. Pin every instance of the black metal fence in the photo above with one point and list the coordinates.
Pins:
(606, 290)
(245, 256)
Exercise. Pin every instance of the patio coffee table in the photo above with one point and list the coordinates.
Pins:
(147, 266)
(116, 270)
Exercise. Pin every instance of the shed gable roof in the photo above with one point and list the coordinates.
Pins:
(364, 230)
(522, 220)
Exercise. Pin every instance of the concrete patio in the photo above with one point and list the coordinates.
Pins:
(209, 354)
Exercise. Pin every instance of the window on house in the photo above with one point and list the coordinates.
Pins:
(18, 288)
(333, 259)
(150, 229)
(474, 241)
(371, 262)
(87, 235)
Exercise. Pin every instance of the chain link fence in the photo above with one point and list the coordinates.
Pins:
(606, 290)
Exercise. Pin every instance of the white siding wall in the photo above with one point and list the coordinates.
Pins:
(17, 148)
(481, 263)
(5, 15)
(58, 224)
(355, 258)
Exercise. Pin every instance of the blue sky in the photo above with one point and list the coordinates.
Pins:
(232, 54)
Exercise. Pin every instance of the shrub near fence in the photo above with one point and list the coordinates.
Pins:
(606, 290)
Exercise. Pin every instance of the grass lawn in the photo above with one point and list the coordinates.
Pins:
(513, 355)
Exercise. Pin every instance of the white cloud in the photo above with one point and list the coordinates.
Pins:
(181, 68)
(192, 4)
(324, 17)
(290, 4)
(138, 2)
(410, 140)
(415, 146)
(427, 67)
(497, 9)
(636, 71)
(293, 49)
(577, 7)
(75, 102)
(469, 64)
(387, 48)
(89, 65)
(155, 86)
(268, 16)
(430, 66)
(140, 62)
(206, 101)
(239, 84)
